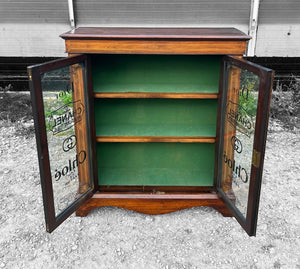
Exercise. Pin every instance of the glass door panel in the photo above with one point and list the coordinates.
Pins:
(61, 116)
(242, 134)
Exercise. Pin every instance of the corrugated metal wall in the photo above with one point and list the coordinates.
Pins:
(32, 27)
(34, 11)
(162, 13)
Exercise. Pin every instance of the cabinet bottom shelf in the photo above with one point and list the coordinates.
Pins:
(154, 204)
(156, 164)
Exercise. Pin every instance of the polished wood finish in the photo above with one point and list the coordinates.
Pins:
(153, 199)
(155, 139)
(153, 204)
(155, 46)
(234, 87)
(156, 40)
(156, 95)
(158, 200)
(77, 78)
(155, 33)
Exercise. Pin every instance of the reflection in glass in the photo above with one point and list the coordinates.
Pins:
(240, 120)
(64, 112)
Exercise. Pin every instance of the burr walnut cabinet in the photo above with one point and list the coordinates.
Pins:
(152, 120)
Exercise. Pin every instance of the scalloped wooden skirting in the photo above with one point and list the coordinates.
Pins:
(153, 204)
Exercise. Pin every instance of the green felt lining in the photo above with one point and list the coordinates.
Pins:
(160, 164)
(156, 117)
(156, 73)
(156, 164)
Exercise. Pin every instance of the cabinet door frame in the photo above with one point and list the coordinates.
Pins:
(35, 72)
(266, 75)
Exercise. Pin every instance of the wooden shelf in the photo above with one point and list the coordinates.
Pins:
(155, 139)
(156, 95)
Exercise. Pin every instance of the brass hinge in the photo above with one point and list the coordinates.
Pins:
(256, 158)
(29, 74)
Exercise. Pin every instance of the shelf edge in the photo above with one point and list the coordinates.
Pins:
(156, 95)
(155, 139)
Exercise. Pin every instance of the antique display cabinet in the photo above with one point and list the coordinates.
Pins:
(152, 120)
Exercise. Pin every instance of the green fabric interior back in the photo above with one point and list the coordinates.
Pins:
(155, 117)
(161, 164)
(156, 73)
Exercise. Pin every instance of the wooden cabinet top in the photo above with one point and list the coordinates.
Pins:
(156, 40)
(156, 33)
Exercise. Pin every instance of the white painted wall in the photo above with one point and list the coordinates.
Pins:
(278, 28)
(30, 39)
(278, 40)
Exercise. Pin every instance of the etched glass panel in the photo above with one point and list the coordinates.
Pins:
(65, 120)
(239, 129)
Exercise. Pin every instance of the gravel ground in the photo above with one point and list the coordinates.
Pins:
(116, 238)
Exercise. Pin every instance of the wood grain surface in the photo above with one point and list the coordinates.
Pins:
(153, 204)
(155, 46)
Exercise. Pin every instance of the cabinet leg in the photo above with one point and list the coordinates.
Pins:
(153, 204)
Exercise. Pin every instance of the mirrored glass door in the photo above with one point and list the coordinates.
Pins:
(59, 92)
(245, 105)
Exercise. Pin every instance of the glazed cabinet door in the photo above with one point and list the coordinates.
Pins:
(245, 100)
(61, 102)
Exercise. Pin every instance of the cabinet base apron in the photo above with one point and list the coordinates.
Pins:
(153, 204)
